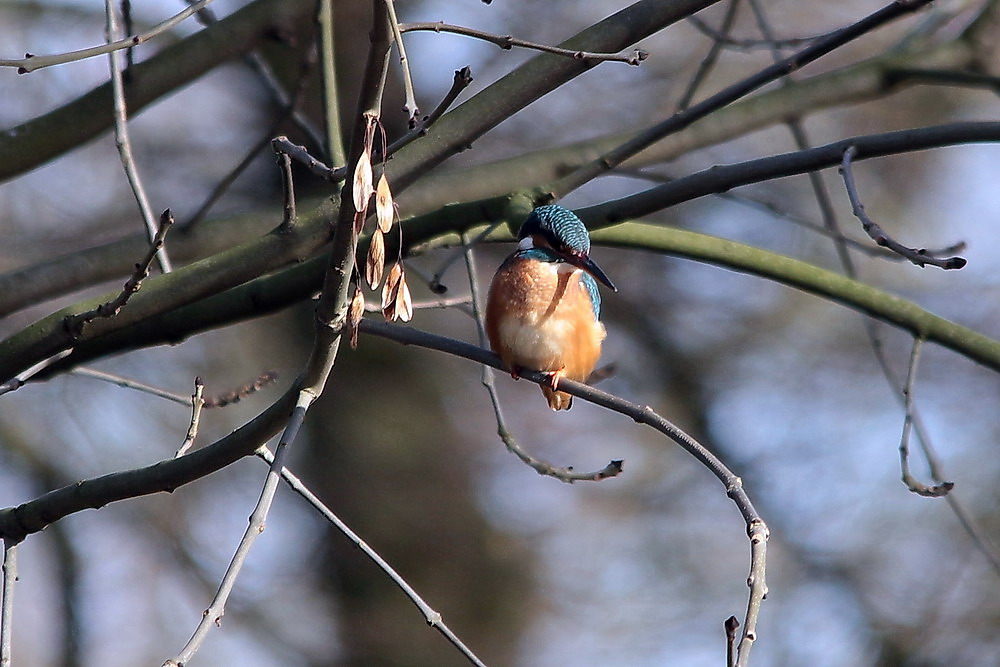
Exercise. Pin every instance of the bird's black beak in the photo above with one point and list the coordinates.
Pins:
(591, 267)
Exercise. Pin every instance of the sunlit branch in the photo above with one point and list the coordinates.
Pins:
(432, 617)
(32, 62)
(197, 403)
(129, 383)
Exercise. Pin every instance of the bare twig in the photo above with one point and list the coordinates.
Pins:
(227, 181)
(301, 154)
(213, 615)
(124, 143)
(429, 304)
(712, 57)
(197, 403)
(432, 617)
(567, 474)
(74, 323)
(920, 257)
(507, 42)
(129, 383)
(435, 283)
(463, 77)
(911, 482)
(18, 380)
(410, 105)
(235, 396)
(748, 44)
(732, 624)
(289, 216)
(31, 62)
(281, 144)
(7, 603)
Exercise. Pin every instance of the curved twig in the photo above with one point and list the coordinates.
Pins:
(507, 42)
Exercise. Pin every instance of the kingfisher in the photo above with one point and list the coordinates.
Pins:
(543, 310)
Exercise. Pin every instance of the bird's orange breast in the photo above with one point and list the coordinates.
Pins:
(539, 316)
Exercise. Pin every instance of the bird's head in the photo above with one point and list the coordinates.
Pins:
(558, 229)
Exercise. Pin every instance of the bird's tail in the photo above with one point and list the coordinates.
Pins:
(558, 400)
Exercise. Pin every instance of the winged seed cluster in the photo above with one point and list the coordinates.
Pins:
(396, 301)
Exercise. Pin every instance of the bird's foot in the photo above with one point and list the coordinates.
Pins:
(553, 378)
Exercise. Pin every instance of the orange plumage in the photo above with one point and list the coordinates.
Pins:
(542, 310)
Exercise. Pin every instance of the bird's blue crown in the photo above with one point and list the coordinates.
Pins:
(559, 226)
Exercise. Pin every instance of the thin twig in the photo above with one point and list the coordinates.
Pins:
(461, 81)
(124, 143)
(435, 283)
(213, 615)
(227, 181)
(920, 257)
(197, 403)
(18, 380)
(780, 213)
(289, 216)
(748, 44)
(31, 62)
(237, 395)
(429, 304)
(74, 324)
(410, 105)
(300, 154)
(432, 617)
(506, 42)
(567, 474)
(129, 383)
(712, 57)
(911, 482)
(272, 83)
(731, 625)
(7, 603)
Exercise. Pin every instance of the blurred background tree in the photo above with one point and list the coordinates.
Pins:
(788, 389)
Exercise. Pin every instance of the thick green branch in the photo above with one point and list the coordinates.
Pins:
(795, 273)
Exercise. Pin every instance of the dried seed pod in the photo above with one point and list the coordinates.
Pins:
(389, 290)
(384, 210)
(376, 259)
(354, 315)
(363, 182)
(404, 305)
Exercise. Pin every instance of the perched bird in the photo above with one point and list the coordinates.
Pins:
(543, 309)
